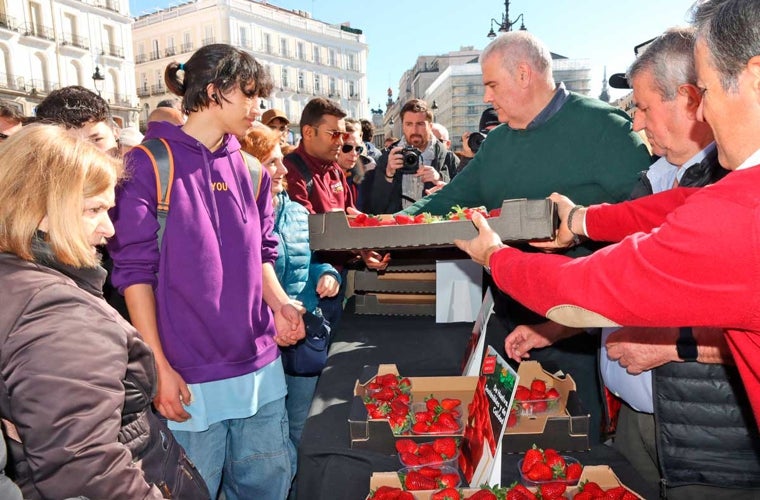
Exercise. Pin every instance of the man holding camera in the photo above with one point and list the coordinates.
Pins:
(411, 166)
(471, 141)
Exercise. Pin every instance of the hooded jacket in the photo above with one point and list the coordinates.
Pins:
(212, 320)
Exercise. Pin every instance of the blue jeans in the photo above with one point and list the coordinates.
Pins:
(300, 393)
(248, 457)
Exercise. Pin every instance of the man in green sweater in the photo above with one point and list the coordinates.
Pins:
(550, 140)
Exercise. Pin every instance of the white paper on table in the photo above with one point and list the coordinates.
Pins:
(458, 285)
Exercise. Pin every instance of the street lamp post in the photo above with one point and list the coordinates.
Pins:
(506, 23)
(98, 79)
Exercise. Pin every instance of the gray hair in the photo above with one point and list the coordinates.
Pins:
(515, 47)
(670, 58)
(731, 31)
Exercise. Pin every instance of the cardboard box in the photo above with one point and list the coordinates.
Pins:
(376, 434)
(396, 282)
(391, 304)
(520, 220)
(564, 429)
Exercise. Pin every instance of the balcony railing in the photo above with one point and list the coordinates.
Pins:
(186, 47)
(170, 51)
(75, 40)
(115, 50)
(141, 58)
(209, 40)
(8, 22)
(157, 89)
(143, 91)
(41, 87)
(155, 55)
(11, 82)
(38, 31)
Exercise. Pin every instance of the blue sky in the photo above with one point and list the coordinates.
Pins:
(604, 31)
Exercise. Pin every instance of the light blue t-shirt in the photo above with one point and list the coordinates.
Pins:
(237, 397)
(636, 390)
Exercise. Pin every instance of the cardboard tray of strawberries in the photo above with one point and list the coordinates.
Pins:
(517, 220)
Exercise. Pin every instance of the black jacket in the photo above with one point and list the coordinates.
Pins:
(385, 197)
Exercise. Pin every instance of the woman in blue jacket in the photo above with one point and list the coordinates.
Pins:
(302, 277)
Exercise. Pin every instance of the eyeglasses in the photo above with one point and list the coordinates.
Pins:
(347, 148)
(336, 134)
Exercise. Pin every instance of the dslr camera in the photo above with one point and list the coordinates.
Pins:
(475, 140)
(412, 157)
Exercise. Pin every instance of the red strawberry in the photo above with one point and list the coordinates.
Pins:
(573, 472)
(583, 495)
(538, 385)
(553, 490)
(522, 393)
(520, 492)
(540, 406)
(446, 447)
(384, 492)
(406, 445)
(450, 480)
(432, 404)
(448, 421)
(556, 462)
(532, 457)
(431, 472)
(409, 459)
(402, 219)
(540, 472)
(421, 428)
(450, 403)
(423, 416)
(590, 487)
(512, 419)
(552, 393)
(414, 480)
(446, 494)
(482, 495)
(615, 493)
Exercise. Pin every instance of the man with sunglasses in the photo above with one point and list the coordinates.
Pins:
(316, 181)
(393, 185)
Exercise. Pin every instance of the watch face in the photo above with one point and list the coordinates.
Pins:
(686, 345)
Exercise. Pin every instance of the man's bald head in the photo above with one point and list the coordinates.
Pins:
(171, 115)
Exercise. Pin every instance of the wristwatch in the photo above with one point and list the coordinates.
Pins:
(686, 345)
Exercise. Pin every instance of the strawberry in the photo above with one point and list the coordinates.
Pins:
(494, 212)
(409, 459)
(483, 494)
(512, 419)
(540, 472)
(358, 221)
(553, 490)
(432, 404)
(591, 488)
(552, 393)
(406, 445)
(450, 480)
(583, 495)
(540, 406)
(446, 494)
(420, 427)
(556, 462)
(520, 492)
(448, 421)
(431, 472)
(423, 416)
(532, 457)
(446, 447)
(421, 218)
(403, 219)
(573, 472)
(538, 385)
(615, 493)
(522, 393)
(414, 480)
(449, 404)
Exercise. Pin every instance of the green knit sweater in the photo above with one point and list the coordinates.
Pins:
(586, 151)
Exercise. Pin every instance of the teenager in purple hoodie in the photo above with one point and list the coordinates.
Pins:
(208, 301)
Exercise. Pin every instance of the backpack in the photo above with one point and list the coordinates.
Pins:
(303, 170)
(160, 155)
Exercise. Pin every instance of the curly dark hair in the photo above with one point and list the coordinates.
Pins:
(73, 107)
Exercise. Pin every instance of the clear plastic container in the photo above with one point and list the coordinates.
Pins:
(527, 482)
(449, 462)
(534, 407)
(442, 469)
(422, 407)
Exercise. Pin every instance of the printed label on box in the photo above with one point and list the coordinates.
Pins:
(474, 352)
(480, 460)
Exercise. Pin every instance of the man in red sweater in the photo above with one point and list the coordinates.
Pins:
(684, 256)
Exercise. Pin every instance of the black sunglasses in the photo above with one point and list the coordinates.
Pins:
(347, 148)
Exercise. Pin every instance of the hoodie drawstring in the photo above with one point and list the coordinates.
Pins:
(210, 191)
(239, 202)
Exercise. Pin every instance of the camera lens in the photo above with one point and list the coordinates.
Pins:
(475, 140)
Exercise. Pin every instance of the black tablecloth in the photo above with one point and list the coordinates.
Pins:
(327, 466)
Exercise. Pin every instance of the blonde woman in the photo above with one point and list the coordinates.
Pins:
(77, 380)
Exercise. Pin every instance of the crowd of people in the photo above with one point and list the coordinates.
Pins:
(159, 291)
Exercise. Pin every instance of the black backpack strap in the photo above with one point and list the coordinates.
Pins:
(160, 155)
(303, 169)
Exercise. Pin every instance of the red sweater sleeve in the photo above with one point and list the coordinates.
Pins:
(700, 268)
(614, 222)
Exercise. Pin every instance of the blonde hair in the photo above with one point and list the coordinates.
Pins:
(260, 142)
(46, 170)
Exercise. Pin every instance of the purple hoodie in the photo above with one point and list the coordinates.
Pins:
(212, 319)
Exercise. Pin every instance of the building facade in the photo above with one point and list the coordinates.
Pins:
(49, 44)
(304, 56)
